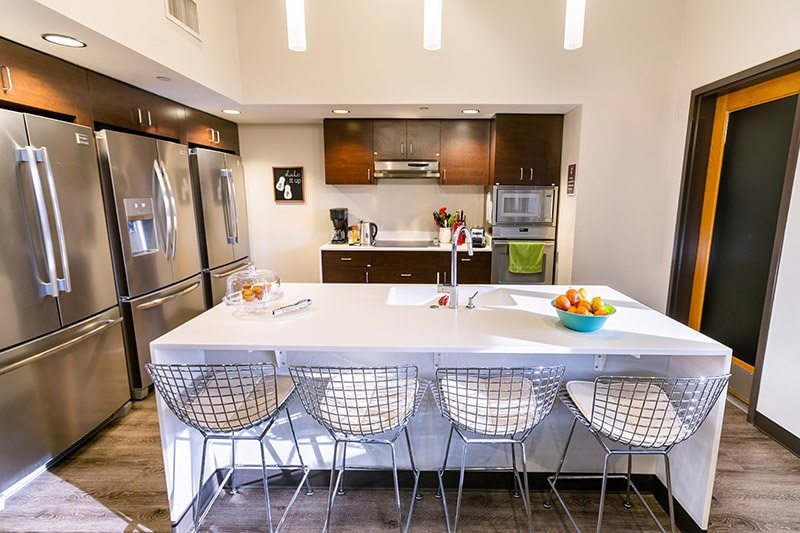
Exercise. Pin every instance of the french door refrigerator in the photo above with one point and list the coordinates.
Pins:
(218, 182)
(151, 219)
(62, 359)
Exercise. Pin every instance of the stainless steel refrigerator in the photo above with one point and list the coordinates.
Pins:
(218, 182)
(151, 219)
(62, 360)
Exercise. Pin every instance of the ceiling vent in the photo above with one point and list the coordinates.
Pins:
(184, 14)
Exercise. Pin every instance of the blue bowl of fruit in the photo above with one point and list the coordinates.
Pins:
(578, 311)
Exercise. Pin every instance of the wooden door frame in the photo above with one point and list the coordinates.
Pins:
(690, 206)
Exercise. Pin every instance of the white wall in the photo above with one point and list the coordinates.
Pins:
(721, 38)
(141, 26)
(509, 51)
(566, 204)
(285, 236)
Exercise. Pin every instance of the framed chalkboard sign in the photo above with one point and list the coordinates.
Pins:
(288, 184)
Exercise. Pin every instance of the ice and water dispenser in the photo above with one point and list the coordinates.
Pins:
(141, 226)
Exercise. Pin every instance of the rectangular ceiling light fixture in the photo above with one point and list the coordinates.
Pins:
(296, 25)
(432, 25)
(573, 24)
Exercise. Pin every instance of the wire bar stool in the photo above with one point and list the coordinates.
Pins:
(494, 405)
(222, 402)
(365, 405)
(646, 415)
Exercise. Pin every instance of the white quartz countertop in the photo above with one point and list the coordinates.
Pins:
(328, 247)
(507, 319)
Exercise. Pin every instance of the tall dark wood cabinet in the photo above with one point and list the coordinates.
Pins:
(465, 152)
(37, 81)
(527, 149)
(348, 151)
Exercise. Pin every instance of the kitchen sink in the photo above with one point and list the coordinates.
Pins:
(417, 295)
(403, 244)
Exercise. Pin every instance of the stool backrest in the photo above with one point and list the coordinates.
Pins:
(217, 398)
(359, 401)
(653, 411)
(497, 401)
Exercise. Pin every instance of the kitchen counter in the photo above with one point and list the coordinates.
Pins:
(328, 247)
(374, 324)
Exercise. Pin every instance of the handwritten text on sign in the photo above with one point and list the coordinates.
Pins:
(288, 184)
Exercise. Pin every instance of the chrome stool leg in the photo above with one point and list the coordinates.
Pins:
(526, 501)
(334, 485)
(440, 490)
(233, 489)
(344, 467)
(548, 502)
(460, 485)
(196, 510)
(516, 476)
(603, 493)
(627, 502)
(396, 489)
(266, 484)
(416, 495)
(309, 490)
(669, 494)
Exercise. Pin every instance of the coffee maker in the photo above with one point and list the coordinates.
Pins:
(339, 219)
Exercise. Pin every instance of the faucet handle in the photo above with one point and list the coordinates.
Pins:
(470, 304)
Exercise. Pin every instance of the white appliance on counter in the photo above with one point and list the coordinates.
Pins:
(522, 213)
(221, 210)
(62, 359)
(151, 221)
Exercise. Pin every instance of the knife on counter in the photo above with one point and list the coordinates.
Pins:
(298, 305)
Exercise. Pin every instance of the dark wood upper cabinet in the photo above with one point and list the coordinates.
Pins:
(406, 139)
(465, 152)
(121, 105)
(348, 151)
(527, 149)
(38, 81)
(203, 129)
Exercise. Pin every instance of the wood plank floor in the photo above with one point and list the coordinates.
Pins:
(115, 483)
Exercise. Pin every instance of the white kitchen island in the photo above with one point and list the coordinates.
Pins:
(355, 324)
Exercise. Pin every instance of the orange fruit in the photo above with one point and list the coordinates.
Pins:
(574, 296)
(585, 303)
(582, 311)
(601, 312)
(562, 302)
(572, 309)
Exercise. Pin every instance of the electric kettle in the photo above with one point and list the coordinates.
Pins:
(369, 230)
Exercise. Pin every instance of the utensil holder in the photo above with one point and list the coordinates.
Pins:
(445, 235)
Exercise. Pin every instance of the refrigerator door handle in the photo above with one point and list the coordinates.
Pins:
(234, 207)
(103, 325)
(230, 232)
(168, 298)
(65, 283)
(50, 286)
(165, 201)
(174, 209)
(227, 273)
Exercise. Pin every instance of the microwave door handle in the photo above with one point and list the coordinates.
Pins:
(48, 287)
(65, 283)
(173, 210)
(167, 237)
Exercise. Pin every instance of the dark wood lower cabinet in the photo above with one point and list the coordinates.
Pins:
(403, 267)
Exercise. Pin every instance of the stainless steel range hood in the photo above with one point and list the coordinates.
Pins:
(406, 169)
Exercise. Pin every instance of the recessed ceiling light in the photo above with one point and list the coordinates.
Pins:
(63, 40)
(340, 111)
(163, 78)
(424, 108)
(231, 111)
(470, 111)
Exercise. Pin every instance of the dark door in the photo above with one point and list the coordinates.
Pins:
(390, 139)
(744, 183)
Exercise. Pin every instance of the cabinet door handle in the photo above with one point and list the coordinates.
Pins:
(139, 114)
(520, 173)
(211, 130)
(466, 259)
(218, 139)
(402, 148)
(366, 276)
(369, 174)
(345, 259)
(410, 148)
(402, 275)
(149, 118)
(531, 174)
(444, 174)
(4, 68)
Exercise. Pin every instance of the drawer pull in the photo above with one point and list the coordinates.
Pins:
(345, 259)
(466, 259)
(405, 275)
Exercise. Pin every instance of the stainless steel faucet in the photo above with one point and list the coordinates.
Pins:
(452, 289)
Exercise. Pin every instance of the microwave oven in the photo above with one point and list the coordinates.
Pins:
(514, 205)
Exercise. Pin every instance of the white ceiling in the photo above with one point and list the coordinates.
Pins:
(24, 21)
